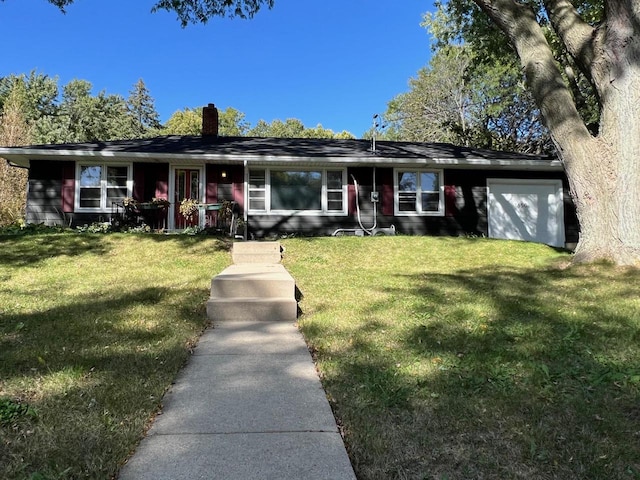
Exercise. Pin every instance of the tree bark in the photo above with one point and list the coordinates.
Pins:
(603, 171)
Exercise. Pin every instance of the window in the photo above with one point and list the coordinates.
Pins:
(314, 191)
(99, 186)
(419, 192)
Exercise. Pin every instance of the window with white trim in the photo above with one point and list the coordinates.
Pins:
(418, 192)
(98, 186)
(303, 191)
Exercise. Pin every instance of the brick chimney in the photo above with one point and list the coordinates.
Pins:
(210, 121)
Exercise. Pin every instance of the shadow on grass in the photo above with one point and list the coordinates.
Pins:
(95, 369)
(222, 244)
(498, 373)
(25, 250)
(21, 251)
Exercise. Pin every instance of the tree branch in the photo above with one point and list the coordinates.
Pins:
(576, 34)
(550, 92)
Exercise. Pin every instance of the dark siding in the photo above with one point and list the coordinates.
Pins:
(263, 225)
(150, 180)
(471, 198)
(44, 198)
(465, 207)
(211, 186)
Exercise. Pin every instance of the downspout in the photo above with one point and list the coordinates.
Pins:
(245, 212)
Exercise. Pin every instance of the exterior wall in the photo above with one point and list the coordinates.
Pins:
(224, 183)
(465, 207)
(44, 197)
(50, 200)
(150, 180)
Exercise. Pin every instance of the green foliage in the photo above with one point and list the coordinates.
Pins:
(463, 100)
(96, 227)
(144, 118)
(462, 22)
(83, 117)
(14, 131)
(232, 123)
(184, 122)
(20, 228)
(199, 11)
(74, 114)
(12, 411)
(293, 128)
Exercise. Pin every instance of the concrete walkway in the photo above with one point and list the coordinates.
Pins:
(248, 405)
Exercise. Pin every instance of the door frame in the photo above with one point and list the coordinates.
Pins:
(558, 202)
(172, 190)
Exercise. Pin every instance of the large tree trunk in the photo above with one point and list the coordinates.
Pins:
(603, 171)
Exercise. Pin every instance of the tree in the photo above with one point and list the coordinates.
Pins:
(198, 11)
(294, 128)
(14, 131)
(575, 55)
(456, 99)
(39, 106)
(232, 123)
(82, 117)
(435, 109)
(145, 120)
(184, 122)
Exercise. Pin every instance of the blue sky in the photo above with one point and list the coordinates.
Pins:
(334, 62)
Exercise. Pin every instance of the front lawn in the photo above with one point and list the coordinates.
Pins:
(448, 358)
(444, 358)
(93, 329)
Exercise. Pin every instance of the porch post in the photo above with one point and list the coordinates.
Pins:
(246, 200)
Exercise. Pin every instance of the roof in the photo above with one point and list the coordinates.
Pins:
(282, 150)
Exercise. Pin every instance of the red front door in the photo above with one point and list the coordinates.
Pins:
(187, 188)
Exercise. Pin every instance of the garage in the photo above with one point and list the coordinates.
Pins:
(529, 210)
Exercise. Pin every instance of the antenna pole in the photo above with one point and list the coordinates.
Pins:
(373, 135)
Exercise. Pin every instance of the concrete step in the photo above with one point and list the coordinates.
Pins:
(256, 252)
(252, 309)
(253, 281)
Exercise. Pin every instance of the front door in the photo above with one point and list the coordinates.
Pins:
(187, 194)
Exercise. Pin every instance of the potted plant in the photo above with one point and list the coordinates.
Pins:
(189, 209)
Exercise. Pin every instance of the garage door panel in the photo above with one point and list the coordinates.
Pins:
(529, 210)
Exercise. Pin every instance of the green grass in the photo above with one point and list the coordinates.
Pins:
(443, 358)
(93, 329)
(469, 358)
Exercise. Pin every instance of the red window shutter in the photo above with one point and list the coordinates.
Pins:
(211, 184)
(68, 186)
(162, 181)
(385, 180)
(138, 182)
(450, 208)
(238, 186)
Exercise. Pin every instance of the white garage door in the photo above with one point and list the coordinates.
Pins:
(530, 210)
